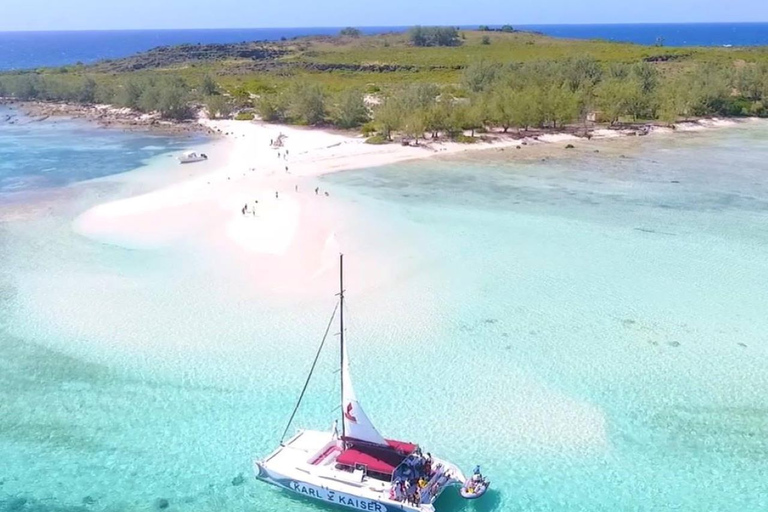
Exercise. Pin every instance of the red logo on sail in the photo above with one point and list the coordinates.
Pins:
(348, 413)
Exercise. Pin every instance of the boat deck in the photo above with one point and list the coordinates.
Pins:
(311, 456)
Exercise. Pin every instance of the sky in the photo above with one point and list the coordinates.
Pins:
(174, 14)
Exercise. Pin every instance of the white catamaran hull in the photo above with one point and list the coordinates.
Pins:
(296, 466)
(328, 494)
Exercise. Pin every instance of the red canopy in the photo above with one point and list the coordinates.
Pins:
(381, 459)
(380, 463)
(402, 446)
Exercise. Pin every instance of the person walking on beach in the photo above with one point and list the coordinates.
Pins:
(295, 188)
(276, 196)
(317, 189)
(286, 168)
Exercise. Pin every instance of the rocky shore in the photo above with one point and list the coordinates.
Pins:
(104, 115)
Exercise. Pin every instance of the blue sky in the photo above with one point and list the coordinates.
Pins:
(137, 14)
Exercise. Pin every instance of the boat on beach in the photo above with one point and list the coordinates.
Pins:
(356, 468)
(192, 156)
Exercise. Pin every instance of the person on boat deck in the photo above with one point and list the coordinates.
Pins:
(428, 465)
(477, 476)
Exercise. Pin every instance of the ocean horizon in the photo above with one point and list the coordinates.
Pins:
(33, 49)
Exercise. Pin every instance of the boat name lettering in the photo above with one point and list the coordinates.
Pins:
(333, 497)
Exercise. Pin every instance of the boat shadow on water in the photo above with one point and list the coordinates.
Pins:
(451, 501)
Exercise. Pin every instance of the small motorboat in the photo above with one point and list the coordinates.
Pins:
(475, 486)
(191, 157)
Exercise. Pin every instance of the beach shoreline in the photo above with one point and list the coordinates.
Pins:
(260, 199)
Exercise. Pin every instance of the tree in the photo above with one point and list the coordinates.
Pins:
(350, 32)
(218, 106)
(208, 87)
(351, 110)
(581, 73)
(27, 88)
(752, 82)
(503, 108)
(172, 99)
(507, 28)
(615, 97)
(389, 116)
(438, 116)
(271, 108)
(129, 94)
(87, 92)
(484, 28)
(3, 89)
(307, 104)
(466, 116)
(647, 77)
(414, 124)
(480, 75)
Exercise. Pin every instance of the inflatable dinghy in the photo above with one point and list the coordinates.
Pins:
(473, 489)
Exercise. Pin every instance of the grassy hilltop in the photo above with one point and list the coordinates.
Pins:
(440, 80)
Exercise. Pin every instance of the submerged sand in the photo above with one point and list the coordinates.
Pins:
(256, 200)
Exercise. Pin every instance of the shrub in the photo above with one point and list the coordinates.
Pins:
(376, 139)
(307, 103)
(350, 32)
(485, 40)
(245, 116)
(465, 139)
(209, 87)
(218, 106)
(434, 36)
(350, 110)
(368, 129)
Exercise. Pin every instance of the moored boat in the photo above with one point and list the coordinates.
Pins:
(192, 156)
(357, 468)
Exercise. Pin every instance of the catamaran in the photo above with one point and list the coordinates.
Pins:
(359, 468)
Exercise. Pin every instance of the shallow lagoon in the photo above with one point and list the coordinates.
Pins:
(590, 328)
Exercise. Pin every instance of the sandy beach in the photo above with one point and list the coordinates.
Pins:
(254, 199)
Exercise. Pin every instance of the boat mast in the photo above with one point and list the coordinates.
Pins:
(341, 340)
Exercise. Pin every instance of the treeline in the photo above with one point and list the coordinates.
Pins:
(307, 103)
(169, 96)
(543, 94)
(553, 94)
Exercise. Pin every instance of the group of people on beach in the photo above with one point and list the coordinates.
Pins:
(276, 143)
(417, 481)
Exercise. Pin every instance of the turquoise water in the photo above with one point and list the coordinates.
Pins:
(36, 155)
(590, 328)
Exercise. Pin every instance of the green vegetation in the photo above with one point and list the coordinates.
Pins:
(429, 80)
(376, 139)
(350, 32)
(434, 36)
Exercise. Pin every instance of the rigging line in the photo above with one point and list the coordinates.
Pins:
(311, 370)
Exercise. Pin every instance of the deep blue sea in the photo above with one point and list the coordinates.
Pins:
(20, 50)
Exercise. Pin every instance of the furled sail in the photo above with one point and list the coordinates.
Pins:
(356, 423)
